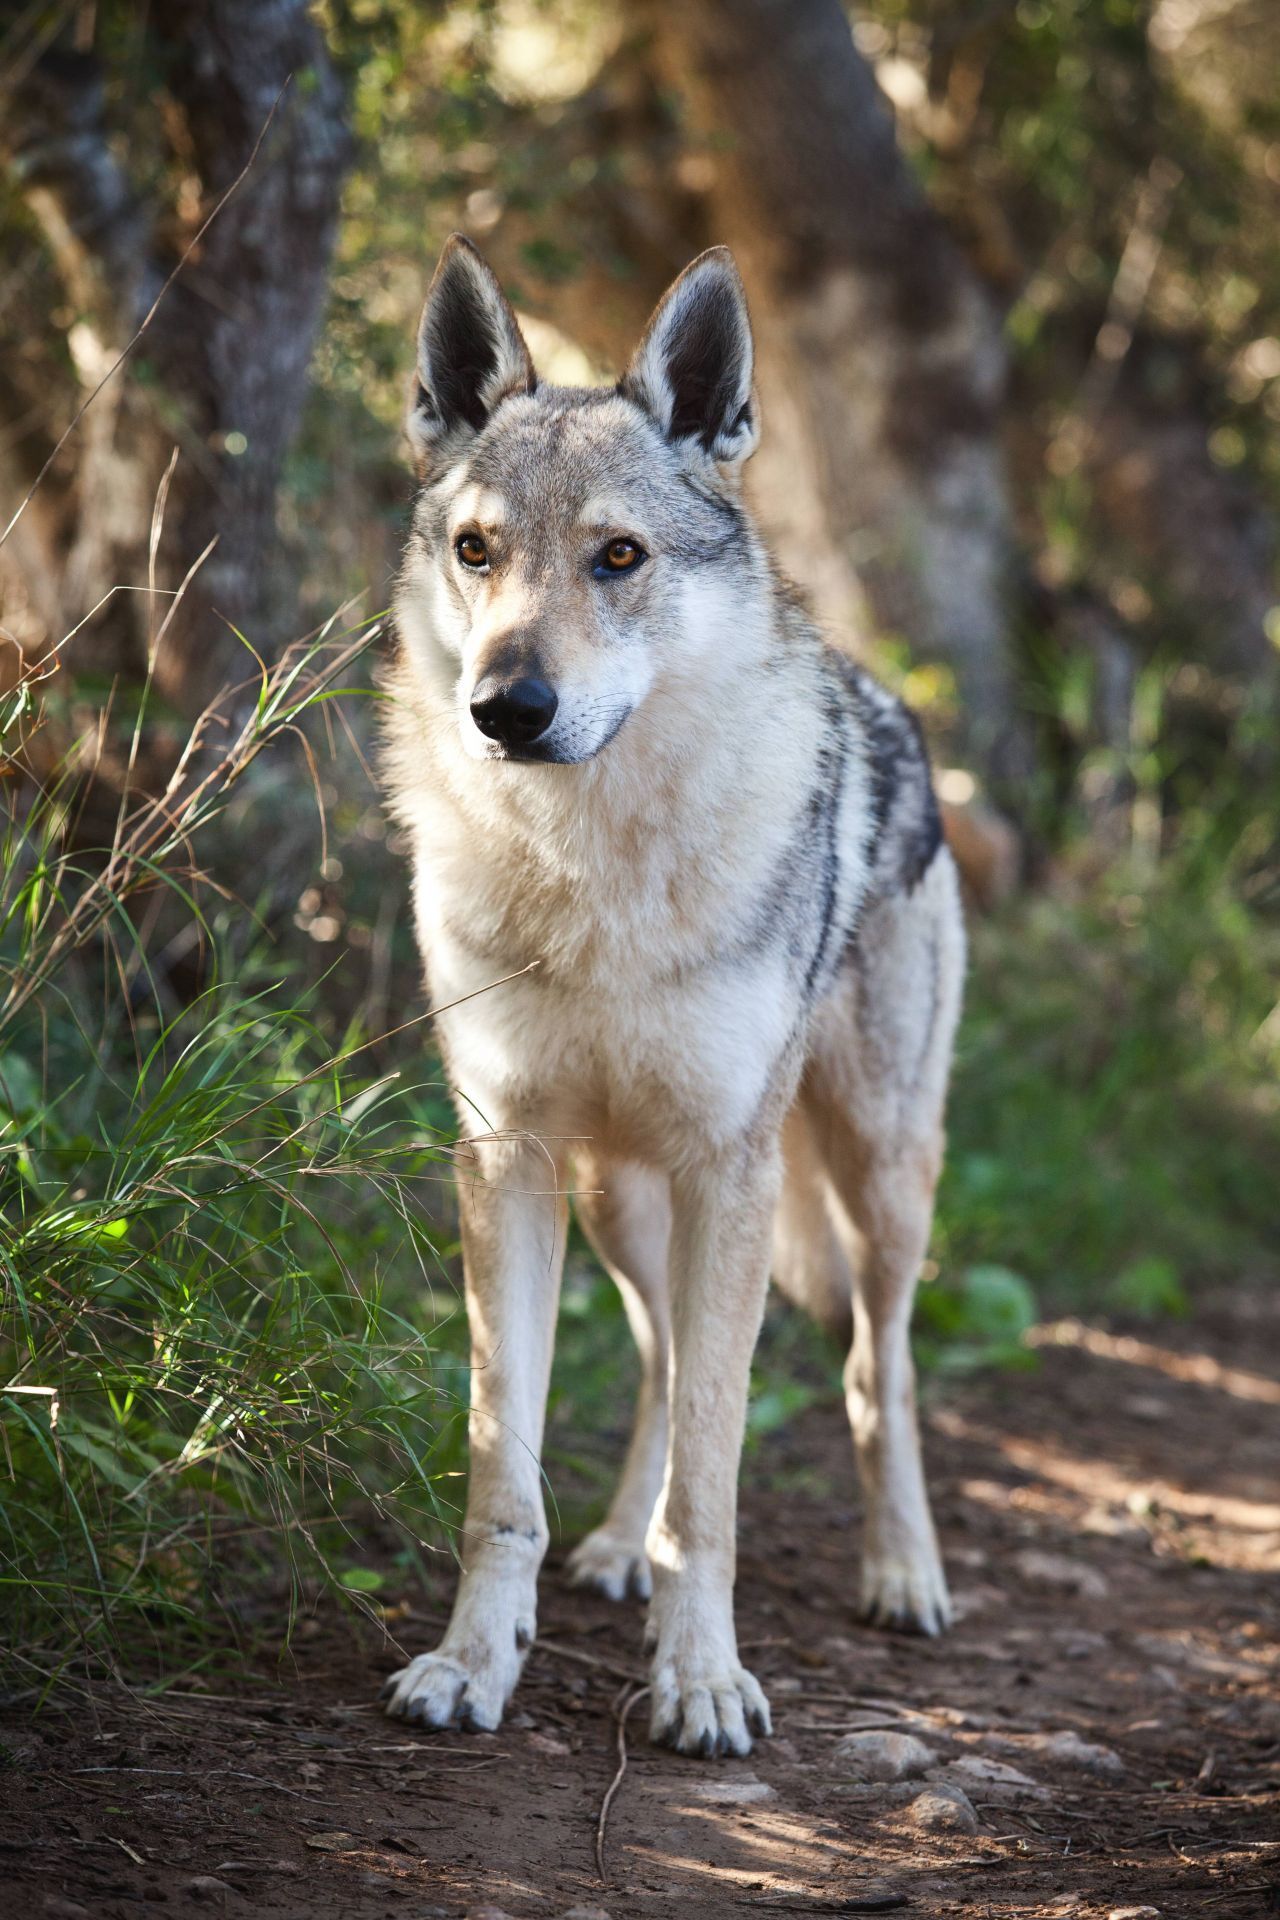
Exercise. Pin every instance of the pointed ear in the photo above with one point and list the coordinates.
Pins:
(692, 371)
(471, 353)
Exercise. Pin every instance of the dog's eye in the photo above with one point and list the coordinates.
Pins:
(620, 556)
(472, 551)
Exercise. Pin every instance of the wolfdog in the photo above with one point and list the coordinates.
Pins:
(705, 844)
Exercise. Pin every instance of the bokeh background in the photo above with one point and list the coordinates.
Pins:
(1015, 275)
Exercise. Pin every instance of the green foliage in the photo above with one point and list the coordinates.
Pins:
(1149, 1289)
(1114, 1116)
(217, 1307)
(976, 1319)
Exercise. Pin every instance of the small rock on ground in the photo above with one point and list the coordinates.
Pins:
(966, 1602)
(943, 1809)
(733, 1793)
(1072, 1751)
(882, 1756)
(1061, 1574)
(547, 1743)
(585, 1913)
(1134, 1913)
(993, 1776)
(1079, 1643)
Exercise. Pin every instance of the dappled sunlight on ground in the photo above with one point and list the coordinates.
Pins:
(1199, 1369)
(1079, 1492)
(1109, 1699)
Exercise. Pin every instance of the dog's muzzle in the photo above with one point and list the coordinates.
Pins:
(515, 713)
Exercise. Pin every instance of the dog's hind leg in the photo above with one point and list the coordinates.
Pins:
(513, 1231)
(903, 1584)
(876, 1090)
(625, 1212)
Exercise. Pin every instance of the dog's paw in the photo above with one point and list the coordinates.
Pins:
(617, 1568)
(908, 1595)
(707, 1713)
(441, 1690)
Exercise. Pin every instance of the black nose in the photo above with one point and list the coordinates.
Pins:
(516, 712)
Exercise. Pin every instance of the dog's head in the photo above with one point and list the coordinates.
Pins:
(570, 546)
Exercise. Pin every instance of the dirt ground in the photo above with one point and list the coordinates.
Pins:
(1112, 1527)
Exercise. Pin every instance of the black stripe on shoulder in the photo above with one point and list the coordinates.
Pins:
(908, 826)
(833, 766)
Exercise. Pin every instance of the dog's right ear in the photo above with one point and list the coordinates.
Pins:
(471, 354)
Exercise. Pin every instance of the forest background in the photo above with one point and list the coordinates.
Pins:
(1015, 274)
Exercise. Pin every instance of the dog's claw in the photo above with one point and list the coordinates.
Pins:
(710, 1718)
(438, 1691)
(610, 1565)
(906, 1596)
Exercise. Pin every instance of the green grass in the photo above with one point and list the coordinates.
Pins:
(221, 1286)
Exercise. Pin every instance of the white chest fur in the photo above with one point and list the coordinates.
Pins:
(651, 1016)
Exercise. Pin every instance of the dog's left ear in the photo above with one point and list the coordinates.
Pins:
(471, 354)
(692, 371)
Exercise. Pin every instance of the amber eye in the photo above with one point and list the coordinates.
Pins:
(620, 556)
(472, 551)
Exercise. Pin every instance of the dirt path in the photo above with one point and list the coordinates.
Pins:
(1112, 1526)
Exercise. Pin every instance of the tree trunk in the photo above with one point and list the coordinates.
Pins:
(220, 373)
(881, 365)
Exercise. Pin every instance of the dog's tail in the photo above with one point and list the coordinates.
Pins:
(810, 1265)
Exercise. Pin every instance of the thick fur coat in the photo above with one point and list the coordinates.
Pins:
(634, 776)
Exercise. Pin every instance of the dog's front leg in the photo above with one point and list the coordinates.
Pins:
(703, 1699)
(513, 1234)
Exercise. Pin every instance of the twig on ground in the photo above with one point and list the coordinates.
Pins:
(844, 1726)
(256, 1866)
(631, 1700)
(593, 1660)
(894, 1711)
(857, 1903)
(1231, 1893)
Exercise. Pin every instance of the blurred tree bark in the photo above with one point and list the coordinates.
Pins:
(881, 364)
(220, 373)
